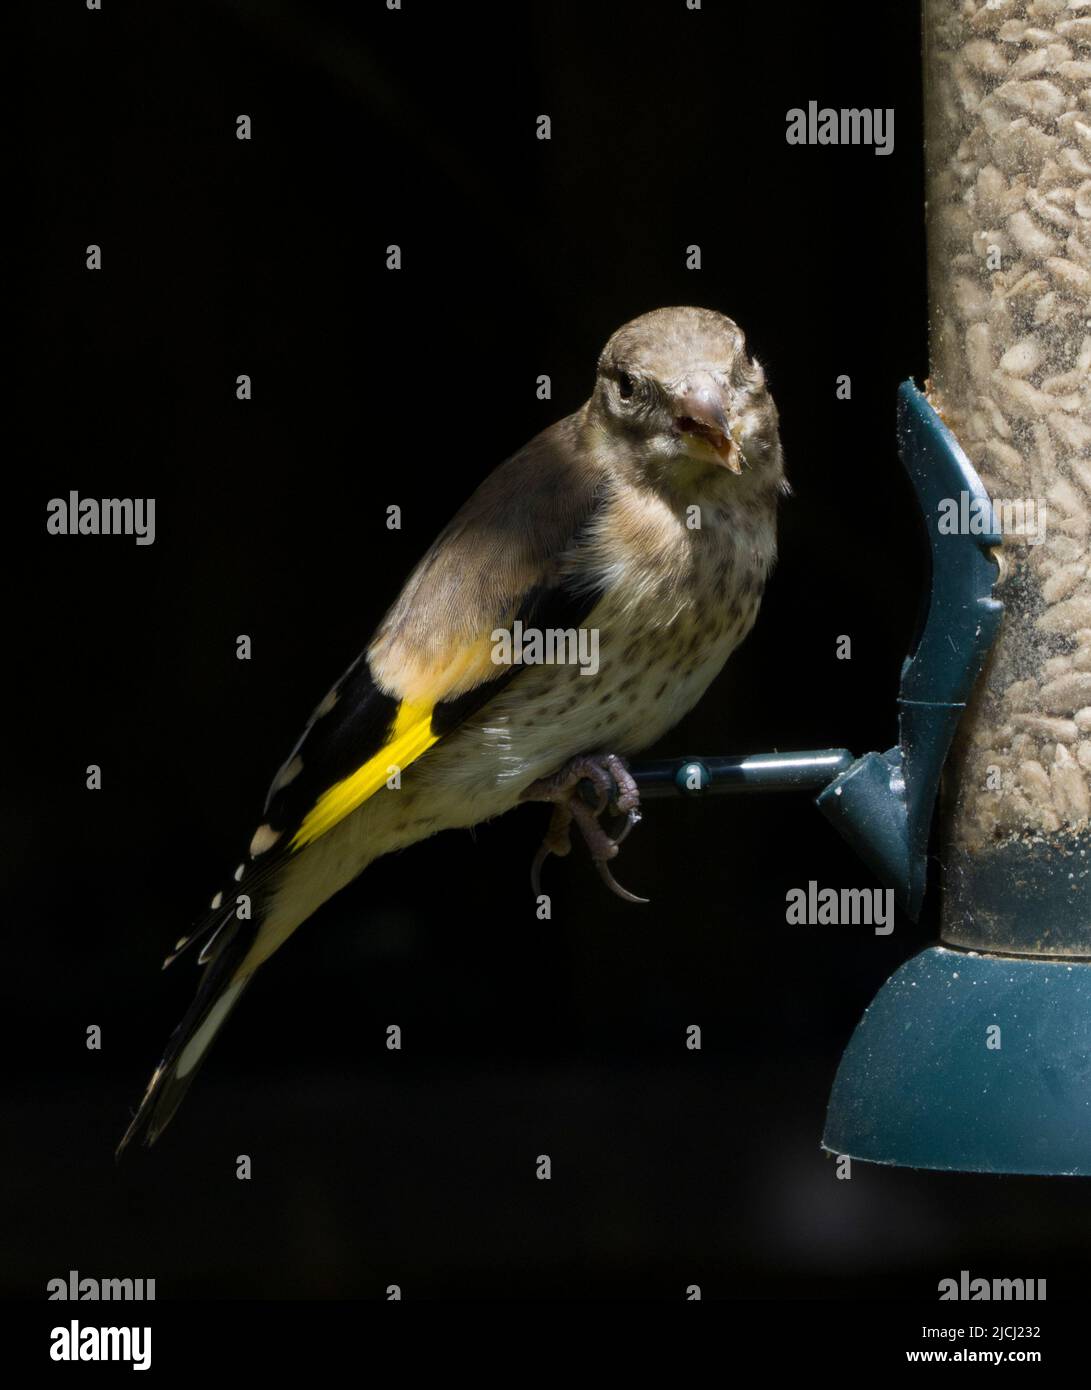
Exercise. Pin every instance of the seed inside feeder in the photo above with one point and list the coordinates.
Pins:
(1008, 147)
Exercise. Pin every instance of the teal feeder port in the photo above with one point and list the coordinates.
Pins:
(973, 1063)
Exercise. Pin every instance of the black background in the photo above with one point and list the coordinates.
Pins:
(370, 387)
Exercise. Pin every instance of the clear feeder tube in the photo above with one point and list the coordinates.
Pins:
(1008, 153)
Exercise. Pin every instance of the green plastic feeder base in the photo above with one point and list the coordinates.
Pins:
(971, 1062)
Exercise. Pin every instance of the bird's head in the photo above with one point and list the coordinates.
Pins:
(677, 397)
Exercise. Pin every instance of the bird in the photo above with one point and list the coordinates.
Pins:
(646, 518)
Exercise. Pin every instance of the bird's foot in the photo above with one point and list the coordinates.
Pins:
(588, 790)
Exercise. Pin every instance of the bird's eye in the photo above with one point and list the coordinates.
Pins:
(626, 386)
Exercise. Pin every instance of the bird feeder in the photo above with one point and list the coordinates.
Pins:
(976, 1054)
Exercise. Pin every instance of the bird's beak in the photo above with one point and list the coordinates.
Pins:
(700, 414)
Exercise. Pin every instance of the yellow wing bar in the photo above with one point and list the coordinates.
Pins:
(410, 737)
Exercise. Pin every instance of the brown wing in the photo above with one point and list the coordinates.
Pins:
(507, 554)
(510, 541)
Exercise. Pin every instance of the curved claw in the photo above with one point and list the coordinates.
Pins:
(613, 885)
(631, 818)
(540, 858)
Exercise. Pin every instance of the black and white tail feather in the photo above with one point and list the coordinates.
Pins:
(227, 940)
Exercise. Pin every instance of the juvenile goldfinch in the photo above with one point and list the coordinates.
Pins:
(648, 518)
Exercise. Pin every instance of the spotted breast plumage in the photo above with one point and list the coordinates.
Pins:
(648, 519)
